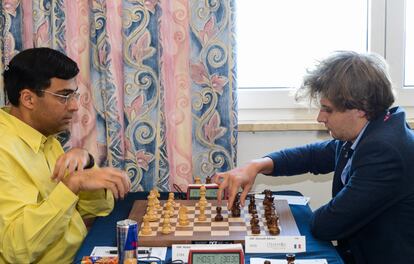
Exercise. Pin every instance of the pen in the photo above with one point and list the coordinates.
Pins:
(139, 251)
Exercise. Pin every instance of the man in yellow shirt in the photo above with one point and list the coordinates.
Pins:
(45, 193)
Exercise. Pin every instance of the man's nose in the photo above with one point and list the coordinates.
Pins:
(73, 104)
(321, 117)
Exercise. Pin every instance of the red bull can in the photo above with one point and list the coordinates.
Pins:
(127, 241)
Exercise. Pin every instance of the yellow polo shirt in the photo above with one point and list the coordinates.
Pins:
(40, 220)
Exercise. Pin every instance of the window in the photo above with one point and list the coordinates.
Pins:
(278, 41)
(272, 59)
(409, 45)
(399, 50)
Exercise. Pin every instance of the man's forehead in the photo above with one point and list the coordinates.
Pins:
(61, 84)
(326, 102)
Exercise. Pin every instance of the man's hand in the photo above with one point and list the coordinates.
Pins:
(243, 177)
(73, 160)
(112, 179)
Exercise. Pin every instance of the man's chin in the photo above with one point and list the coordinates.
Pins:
(63, 133)
(333, 135)
(64, 128)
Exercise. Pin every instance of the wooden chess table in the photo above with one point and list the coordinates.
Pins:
(231, 229)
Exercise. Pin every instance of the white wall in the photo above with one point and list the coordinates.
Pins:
(256, 144)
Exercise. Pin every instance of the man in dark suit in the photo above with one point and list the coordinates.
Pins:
(372, 210)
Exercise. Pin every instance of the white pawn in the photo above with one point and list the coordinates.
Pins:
(202, 215)
(146, 228)
(182, 216)
(166, 227)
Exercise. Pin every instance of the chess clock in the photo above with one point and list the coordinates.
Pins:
(213, 256)
(193, 191)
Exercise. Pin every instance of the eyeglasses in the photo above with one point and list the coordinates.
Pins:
(64, 99)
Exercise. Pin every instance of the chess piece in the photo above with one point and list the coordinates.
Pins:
(169, 208)
(252, 206)
(273, 226)
(268, 200)
(156, 199)
(237, 197)
(254, 221)
(166, 226)
(254, 224)
(251, 198)
(267, 262)
(269, 213)
(202, 216)
(203, 200)
(152, 215)
(290, 258)
(218, 217)
(197, 180)
(171, 198)
(270, 216)
(235, 209)
(182, 210)
(151, 208)
(208, 179)
(182, 216)
(253, 211)
(146, 228)
(255, 230)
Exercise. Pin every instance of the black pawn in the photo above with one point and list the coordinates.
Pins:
(218, 217)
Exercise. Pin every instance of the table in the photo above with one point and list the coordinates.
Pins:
(103, 232)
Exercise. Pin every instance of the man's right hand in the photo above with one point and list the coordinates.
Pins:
(243, 177)
(112, 179)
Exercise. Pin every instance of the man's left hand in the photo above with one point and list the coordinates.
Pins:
(73, 160)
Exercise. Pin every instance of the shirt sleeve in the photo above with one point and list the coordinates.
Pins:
(95, 203)
(27, 229)
(315, 158)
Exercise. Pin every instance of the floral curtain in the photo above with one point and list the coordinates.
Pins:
(157, 80)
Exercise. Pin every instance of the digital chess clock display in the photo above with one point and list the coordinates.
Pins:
(211, 193)
(215, 257)
(193, 191)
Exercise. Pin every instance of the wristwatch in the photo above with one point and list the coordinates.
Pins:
(91, 162)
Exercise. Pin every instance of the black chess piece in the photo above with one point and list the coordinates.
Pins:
(254, 226)
(254, 221)
(253, 211)
(268, 201)
(252, 207)
(218, 217)
(237, 198)
(273, 226)
(235, 209)
(251, 198)
(208, 179)
(290, 258)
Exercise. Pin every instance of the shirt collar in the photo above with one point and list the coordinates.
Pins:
(33, 138)
(359, 137)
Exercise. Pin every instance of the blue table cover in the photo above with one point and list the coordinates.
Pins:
(103, 232)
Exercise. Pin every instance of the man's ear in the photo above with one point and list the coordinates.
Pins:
(361, 113)
(27, 98)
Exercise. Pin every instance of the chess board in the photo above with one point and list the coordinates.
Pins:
(231, 229)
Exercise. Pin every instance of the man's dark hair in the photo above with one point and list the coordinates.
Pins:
(350, 81)
(33, 68)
